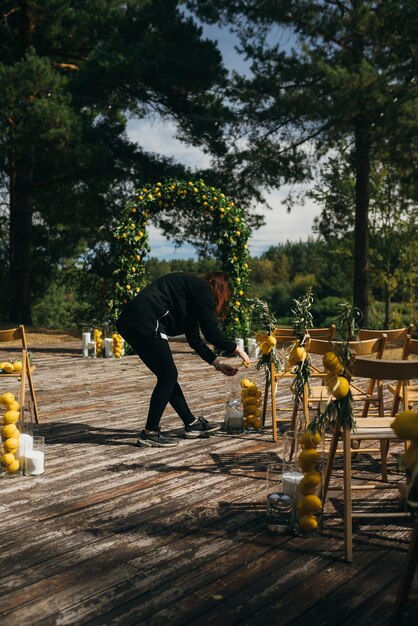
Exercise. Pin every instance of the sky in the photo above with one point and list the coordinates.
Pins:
(157, 135)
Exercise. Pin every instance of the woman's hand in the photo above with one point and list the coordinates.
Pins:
(225, 368)
(243, 355)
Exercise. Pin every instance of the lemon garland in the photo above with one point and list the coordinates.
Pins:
(227, 230)
(298, 357)
(337, 365)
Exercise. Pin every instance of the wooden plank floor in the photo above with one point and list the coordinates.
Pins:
(112, 534)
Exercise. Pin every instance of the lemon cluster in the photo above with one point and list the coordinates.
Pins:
(6, 367)
(117, 345)
(296, 354)
(309, 503)
(251, 402)
(337, 384)
(265, 342)
(10, 433)
(405, 426)
(98, 339)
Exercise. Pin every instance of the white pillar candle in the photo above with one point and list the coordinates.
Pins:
(290, 484)
(25, 445)
(253, 348)
(239, 342)
(34, 462)
(108, 345)
(86, 338)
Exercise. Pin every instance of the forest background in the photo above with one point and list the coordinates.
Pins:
(334, 111)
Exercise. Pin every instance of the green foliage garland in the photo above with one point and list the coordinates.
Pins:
(226, 229)
(341, 410)
(301, 321)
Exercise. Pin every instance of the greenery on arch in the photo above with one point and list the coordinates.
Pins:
(213, 214)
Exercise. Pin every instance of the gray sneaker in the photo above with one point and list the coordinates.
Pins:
(200, 428)
(156, 440)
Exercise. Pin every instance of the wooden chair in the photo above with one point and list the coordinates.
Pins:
(319, 393)
(285, 339)
(368, 428)
(395, 338)
(410, 350)
(18, 334)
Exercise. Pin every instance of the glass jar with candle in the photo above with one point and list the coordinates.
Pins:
(233, 421)
(86, 332)
(302, 478)
(11, 428)
(279, 505)
(26, 437)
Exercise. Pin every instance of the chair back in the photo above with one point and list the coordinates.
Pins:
(367, 347)
(410, 348)
(285, 336)
(396, 337)
(14, 334)
(385, 369)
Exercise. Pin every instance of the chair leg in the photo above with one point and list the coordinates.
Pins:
(32, 390)
(407, 577)
(273, 407)
(266, 395)
(384, 450)
(330, 462)
(348, 506)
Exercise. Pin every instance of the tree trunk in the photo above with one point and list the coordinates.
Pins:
(21, 208)
(387, 306)
(361, 245)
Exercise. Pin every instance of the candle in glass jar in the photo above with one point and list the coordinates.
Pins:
(108, 346)
(290, 484)
(86, 337)
(25, 444)
(34, 462)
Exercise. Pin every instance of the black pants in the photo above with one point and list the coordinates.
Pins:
(155, 352)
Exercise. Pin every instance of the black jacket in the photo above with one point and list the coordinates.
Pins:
(177, 304)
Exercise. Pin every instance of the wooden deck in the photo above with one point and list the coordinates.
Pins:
(112, 534)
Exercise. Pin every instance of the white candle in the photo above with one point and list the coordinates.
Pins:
(25, 445)
(290, 484)
(253, 348)
(34, 462)
(86, 337)
(239, 342)
(108, 346)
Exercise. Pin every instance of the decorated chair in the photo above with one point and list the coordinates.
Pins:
(368, 428)
(285, 340)
(395, 338)
(24, 371)
(410, 351)
(320, 395)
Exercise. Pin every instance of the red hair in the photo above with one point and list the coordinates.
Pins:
(222, 289)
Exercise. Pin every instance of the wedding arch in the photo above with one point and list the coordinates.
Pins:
(221, 221)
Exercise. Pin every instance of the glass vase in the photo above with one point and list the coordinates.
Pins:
(302, 479)
(279, 505)
(10, 434)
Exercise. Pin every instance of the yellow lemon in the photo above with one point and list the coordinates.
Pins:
(7, 398)
(310, 440)
(338, 386)
(245, 383)
(312, 478)
(297, 354)
(271, 340)
(11, 444)
(13, 406)
(13, 467)
(305, 488)
(17, 366)
(7, 367)
(307, 523)
(11, 417)
(265, 347)
(9, 430)
(7, 458)
(311, 504)
(308, 459)
(258, 423)
(333, 363)
(405, 425)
